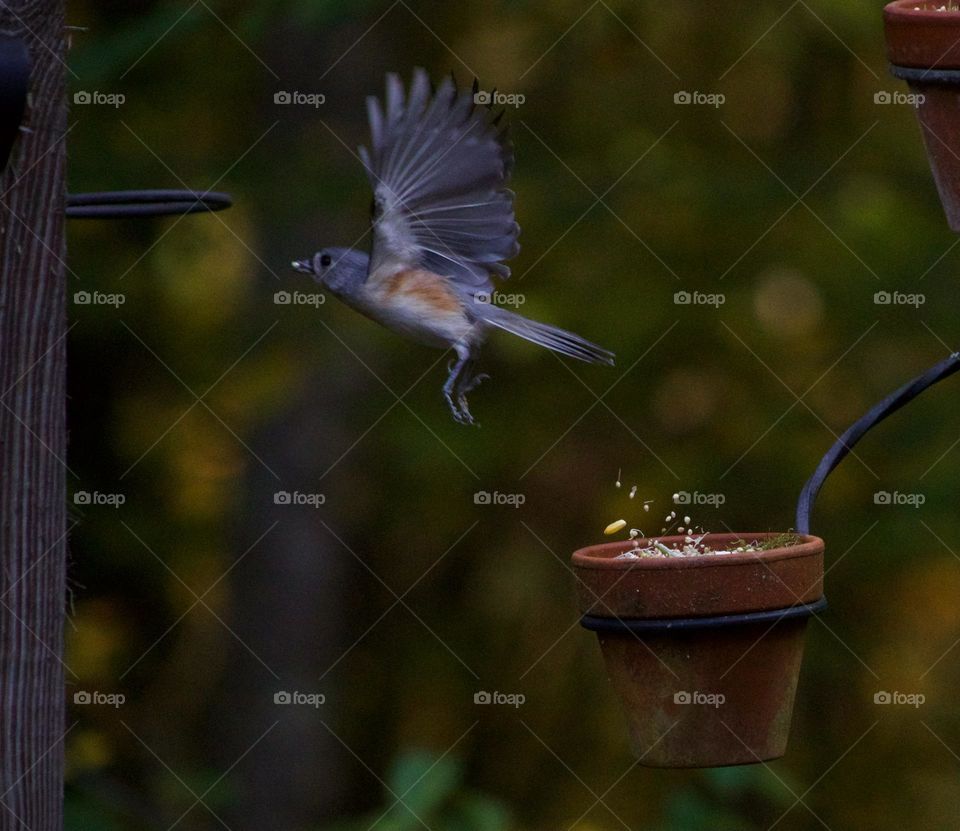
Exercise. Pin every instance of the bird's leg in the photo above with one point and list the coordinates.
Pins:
(466, 383)
(450, 390)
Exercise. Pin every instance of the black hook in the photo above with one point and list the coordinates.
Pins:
(877, 413)
(120, 204)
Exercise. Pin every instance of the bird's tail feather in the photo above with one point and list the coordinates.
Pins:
(557, 340)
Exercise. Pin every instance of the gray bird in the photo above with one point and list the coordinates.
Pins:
(443, 226)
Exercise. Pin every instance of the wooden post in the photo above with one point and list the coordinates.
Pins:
(33, 434)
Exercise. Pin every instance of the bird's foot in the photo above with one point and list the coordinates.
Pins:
(465, 410)
(461, 414)
(460, 381)
(469, 386)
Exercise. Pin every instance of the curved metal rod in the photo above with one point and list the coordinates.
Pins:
(119, 204)
(859, 428)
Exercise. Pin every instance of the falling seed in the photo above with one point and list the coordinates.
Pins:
(686, 520)
(618, 478)
(635, 532)
(646, 506)
(633, 491)
(613, 527)
(663, 549)
(680, 529)
(675, 498)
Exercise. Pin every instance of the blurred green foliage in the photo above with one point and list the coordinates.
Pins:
(798, 199)
(425, 790)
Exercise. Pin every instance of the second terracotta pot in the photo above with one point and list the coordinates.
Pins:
(923, 47)
(703, 652)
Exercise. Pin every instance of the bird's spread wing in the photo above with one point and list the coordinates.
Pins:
(439, 164)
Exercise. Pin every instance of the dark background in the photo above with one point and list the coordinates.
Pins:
(399, 598)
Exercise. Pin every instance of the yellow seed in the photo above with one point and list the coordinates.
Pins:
(613, 527)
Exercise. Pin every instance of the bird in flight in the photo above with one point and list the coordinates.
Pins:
(443, 227)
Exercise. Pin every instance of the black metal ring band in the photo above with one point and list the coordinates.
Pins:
(928, 76)
(639, 625)
(157, 202)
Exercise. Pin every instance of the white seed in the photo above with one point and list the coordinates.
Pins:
(686, 520)
(675, 498)
(646, 506)
(633, 491)
(618, 478)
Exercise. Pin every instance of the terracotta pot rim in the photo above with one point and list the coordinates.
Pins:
(922, 37)
(907, 10)
(600, 556)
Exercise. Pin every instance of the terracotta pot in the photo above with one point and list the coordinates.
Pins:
(923, 46)
(704, 652)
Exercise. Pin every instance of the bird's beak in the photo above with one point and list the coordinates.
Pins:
(303, 266)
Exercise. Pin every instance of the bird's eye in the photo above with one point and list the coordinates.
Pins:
(325, 260)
